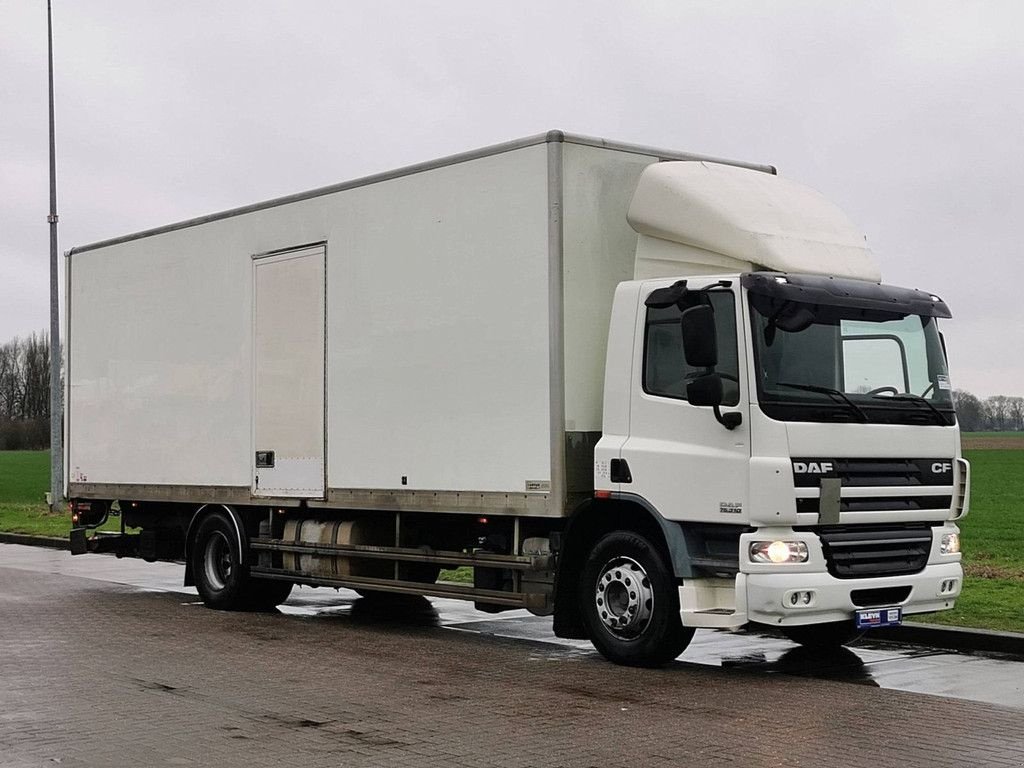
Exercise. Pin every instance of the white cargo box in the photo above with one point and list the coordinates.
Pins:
(427, 339)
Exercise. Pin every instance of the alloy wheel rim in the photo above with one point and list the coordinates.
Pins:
(624, 598)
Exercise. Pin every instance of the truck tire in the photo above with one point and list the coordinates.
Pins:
(221, 580)
(831, 635)
(267, 594)
(631, 602)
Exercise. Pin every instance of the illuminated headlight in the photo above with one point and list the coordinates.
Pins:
(950, 544)
(778, 552)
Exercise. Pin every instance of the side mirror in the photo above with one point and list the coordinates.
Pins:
(706, 390)
(700, 343)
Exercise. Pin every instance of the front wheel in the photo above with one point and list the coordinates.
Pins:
(831, 635)
(631, 602)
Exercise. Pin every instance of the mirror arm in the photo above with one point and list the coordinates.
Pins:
(729, 420)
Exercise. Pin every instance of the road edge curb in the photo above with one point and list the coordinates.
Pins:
(31, 540)
(953, 638)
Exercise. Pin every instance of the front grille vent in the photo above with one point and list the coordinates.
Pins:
(860, 553)
(808, 472)
(882, 503)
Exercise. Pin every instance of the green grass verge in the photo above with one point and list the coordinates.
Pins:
(993, 596)
(24, 477)
(984, 604)
(24, 481)
(991, 537)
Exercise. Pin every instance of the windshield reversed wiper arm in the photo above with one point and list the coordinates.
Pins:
(833, 393)
(910, 397)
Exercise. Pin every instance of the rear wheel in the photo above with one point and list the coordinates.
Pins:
(220, 577)
(222, 581)
(631, 602)
(833, 634)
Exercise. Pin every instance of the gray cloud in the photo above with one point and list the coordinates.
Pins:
(906, 114)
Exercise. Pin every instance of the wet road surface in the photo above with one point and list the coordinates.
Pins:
(112, 662)
(986, 677)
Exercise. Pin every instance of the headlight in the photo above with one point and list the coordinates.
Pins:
(778, 552)
(949, 544)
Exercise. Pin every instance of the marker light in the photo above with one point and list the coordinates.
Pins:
(949, 544)
(778, 552)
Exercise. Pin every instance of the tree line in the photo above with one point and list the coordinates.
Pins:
(998, 413)
(25, 393)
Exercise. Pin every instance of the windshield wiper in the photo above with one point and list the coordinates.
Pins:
(910, 397)
(833, 393)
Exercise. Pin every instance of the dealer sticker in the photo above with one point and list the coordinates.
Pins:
(872, 618)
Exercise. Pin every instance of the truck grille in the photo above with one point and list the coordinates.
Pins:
(877, 485)
(860, 553)
(807, 473)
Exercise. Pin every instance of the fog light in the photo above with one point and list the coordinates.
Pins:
(778, 552)
(949, 544)
(800, 598)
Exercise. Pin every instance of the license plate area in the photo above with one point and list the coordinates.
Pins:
(872, 618)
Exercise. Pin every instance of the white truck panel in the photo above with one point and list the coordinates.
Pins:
(466, 316)
(746, 215)
(599, 248)
(159, 355)
(438, 329)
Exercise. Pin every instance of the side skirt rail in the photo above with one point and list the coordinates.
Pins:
(408, 554)
(400, 587)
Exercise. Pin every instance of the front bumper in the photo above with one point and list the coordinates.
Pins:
(768, 596)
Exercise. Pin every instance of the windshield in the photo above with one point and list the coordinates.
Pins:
(824, 363)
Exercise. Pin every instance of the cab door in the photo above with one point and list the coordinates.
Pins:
(680, 458)
(288, 447)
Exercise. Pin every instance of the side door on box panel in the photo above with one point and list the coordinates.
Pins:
(288, 450)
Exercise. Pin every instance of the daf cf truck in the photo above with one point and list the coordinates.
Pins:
(640, 390)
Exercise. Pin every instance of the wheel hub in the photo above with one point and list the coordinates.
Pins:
(217, 560)
(624, 598)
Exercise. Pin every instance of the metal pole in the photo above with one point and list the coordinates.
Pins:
(56, 410)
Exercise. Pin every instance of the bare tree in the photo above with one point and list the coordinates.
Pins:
(36, 374)
(24, 393)
(970, 411)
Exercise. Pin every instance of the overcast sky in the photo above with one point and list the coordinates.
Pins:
(909, 115)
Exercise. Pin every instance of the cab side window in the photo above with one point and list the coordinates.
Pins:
(666, 372)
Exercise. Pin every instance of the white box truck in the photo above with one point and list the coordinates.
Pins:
(641, 390)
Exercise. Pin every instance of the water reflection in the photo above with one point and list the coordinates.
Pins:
(827, 664)
(402, 610)
(831, 664)
(369, 608)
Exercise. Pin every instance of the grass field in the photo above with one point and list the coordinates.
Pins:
(24, 481)
(992, 537)
(993, 532)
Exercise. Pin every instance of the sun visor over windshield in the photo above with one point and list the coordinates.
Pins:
(844, 292)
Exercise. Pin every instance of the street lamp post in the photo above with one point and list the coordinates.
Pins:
(56, 409)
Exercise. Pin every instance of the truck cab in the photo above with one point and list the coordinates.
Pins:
(793, 432)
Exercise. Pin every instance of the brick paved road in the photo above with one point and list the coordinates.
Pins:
(94, 674)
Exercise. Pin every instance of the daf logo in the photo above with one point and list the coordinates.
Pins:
(941, 467)
(812, 467)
